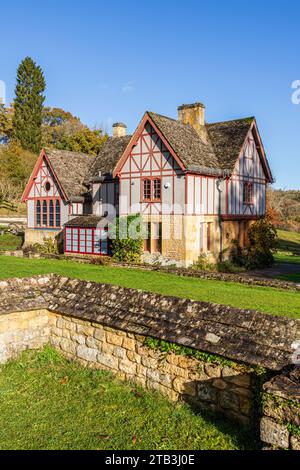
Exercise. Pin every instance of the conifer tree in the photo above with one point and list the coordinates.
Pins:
(28, 105)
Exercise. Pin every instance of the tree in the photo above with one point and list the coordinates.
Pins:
(28, 105)
(5, 122)
(84, 140)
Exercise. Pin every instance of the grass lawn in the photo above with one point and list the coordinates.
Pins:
(10, 242)
(50, 403)
(288, 247)
(289, 252)
(269, 300)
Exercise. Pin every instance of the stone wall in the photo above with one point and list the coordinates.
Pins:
(204, 385)
(22, 330)
(280, 424)
(110, 327)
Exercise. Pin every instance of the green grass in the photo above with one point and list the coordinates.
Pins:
(264, 299)
(288, 247)
(10, 242)
(50, 403)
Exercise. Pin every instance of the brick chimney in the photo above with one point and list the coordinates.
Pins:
(119, 129)
(194, 115)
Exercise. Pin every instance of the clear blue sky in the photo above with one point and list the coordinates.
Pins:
(108, 61)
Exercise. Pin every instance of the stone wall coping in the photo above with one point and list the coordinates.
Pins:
(241, 335)
(285, 385)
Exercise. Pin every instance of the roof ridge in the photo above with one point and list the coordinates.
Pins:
(249, 118)
(164, 116)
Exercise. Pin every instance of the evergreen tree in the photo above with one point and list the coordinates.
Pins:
(28, 105)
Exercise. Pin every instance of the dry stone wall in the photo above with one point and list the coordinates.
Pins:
(204, 385)
(107, 326)
(280, 425)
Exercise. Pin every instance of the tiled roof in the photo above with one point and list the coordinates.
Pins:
(71, 169)
(110, 153)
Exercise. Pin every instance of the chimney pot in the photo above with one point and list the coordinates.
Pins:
(119, 129)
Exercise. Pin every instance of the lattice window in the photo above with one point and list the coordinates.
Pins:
(147, 190)
(38, 213)
(57, 213)
(45, 214)
(157, 189)
(248, 193)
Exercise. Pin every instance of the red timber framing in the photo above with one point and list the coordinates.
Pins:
(150, 159)
(86, 241)
(44, 189)
(246, 188)
(43, 164)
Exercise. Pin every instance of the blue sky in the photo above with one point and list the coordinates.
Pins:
(110, 61)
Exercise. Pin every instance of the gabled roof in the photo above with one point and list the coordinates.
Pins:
(109, 155)
(192, 150)
(227, 139)
(71, 169)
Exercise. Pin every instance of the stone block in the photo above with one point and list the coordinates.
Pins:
(242, 380)
(229, 400)
(295, 442)
(206, 392)
(80, 339)
(274, 433)
(133, 356)
(99, 334)
(108, 360)
(88, 354)
(184, 387)
(153, 374)
(68, 346)
(212, 370)
(93, 343)
(86, 330)
(149, 362)
(119, 352)
(127, 367)
(129, 344)
(220, 384)
(113, 338)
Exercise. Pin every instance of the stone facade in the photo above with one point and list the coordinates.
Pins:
(33, 236)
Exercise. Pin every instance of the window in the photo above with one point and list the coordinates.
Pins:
(88, 241)
(157, 189)
(45, 214)
(248, 193)
(152, 189)
(57, 213)
(51, 213)
(48, 213)
(47, 186)
(38, 213)
(147, 190)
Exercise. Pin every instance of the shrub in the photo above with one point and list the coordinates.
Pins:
(263, 239)
(49, 247)
(236, 255)
(127, 239)
(262, 243)
(101, 261)
(203, 263)
(228, 267)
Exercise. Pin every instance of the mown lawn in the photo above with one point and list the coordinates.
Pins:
(288, 247)
(10, 242)
(50, 403)
(269, 300)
